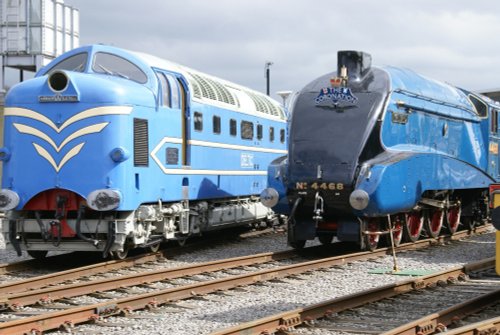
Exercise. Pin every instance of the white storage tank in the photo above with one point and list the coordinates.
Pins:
(38, 27)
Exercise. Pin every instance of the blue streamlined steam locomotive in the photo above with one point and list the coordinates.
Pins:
(383, 151)
(107, 150)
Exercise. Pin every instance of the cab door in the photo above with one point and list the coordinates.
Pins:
(173, 103)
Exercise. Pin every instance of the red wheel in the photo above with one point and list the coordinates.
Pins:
(413, 226)
(372, 225)
(453, 219)
(397, 221)
(434, 222)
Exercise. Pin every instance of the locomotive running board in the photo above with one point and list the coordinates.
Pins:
(443, 204)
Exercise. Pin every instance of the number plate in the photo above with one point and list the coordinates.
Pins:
(303, 186)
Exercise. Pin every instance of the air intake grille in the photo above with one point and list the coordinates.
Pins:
(141, 147)
(211, 89)
(263, 105)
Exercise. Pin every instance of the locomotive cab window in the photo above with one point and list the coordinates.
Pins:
(216, 124)
(198, 121)
(246, 130)
(113, 65)
(76, 63)
(479, 106)
(282, 135)
(271, 134)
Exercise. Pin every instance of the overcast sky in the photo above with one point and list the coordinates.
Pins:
(451, 40)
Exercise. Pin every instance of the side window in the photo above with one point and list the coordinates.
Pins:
(232, 127)
(165, 90)
(216, 124)
(494, 121)
(271, 134)
(481, 108)
(282, 135)
(246, 130)
(114, 65)
(198, 121)
(174, 91)
(259, 131)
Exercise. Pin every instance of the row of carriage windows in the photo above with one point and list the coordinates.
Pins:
(247, 129)
(173, 99)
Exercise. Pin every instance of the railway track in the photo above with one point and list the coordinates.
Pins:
(116, 303)
(425, 305)
(39, 282)
(69, 261)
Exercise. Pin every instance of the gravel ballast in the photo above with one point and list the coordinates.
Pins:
(216, 311)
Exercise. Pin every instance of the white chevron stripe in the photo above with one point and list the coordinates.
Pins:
(72, 153)
(84, 131)
(96, 128)
(98, 111)
(24, 129)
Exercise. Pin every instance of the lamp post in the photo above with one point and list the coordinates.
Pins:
(268, 75)
(284, 95)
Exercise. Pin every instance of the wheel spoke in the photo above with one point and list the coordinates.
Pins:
(413, 226)
(372, 226)
(434, 222)
(453, 216)
(397, 221)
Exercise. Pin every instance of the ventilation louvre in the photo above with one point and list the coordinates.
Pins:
(141, 140)
(211, 89)
(263, 105)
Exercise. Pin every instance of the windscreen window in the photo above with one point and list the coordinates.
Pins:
(117, 66)
(76, 63)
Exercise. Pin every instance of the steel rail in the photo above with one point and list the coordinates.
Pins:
(62, 276)
(17, 294)
(86, 258)
(486, 327)
(47, 295)
(437, 321)
(287, 320)
(88, 313)
(71, 274)
(91, 269)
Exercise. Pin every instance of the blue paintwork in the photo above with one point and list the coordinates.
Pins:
(442, 144)
(28, 173)
(441, 147)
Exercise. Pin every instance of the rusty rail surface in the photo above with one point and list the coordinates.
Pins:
(124, 305)
(486, 327)
(50, 294)
(433, 322)
(287, 320)
(27, 292)
(88, 313)
(102, 267)
(62, 276)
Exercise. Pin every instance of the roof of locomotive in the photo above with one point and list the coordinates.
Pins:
(206, 89)
(389, 79)
(433, 90)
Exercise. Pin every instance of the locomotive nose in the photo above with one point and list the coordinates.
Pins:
(359, 199)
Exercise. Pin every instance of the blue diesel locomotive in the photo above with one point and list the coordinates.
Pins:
(383, 151)
(107, 150)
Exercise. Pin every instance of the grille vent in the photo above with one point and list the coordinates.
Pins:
(263, 105)
(211, 89)
(141, 147)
